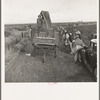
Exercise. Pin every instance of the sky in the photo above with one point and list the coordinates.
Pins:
(27, 11)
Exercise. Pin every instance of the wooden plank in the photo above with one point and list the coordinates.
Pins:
(46, 38)
(45, 44)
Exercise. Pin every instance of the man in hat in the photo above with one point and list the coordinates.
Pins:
(70, 42)
(77, 45)
(78, 33)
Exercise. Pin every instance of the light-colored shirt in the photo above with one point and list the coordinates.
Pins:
(67, 36)
(78, 32)
(79, 42)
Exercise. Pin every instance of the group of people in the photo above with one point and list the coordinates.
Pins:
(72, 41)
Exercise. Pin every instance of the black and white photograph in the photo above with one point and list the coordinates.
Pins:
(50, 41)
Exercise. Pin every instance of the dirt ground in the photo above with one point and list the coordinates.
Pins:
(60, 69)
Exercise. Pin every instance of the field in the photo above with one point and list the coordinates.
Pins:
(23, 68)
(86, 28)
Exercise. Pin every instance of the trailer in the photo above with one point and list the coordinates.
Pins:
(44, 38)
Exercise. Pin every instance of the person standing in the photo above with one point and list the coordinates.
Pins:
(67, 41)
(70, 42)
(78, 33)
(30, 32)
(63, 35)
(39, 24)
(77, 45)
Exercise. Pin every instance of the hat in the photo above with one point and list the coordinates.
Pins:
(70, 33)
(78, 33)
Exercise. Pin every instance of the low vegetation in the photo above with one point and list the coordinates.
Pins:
(13, 38)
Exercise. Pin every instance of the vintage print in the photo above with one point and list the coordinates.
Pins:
(50, 40)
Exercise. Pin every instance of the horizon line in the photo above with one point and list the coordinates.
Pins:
(54, 22)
